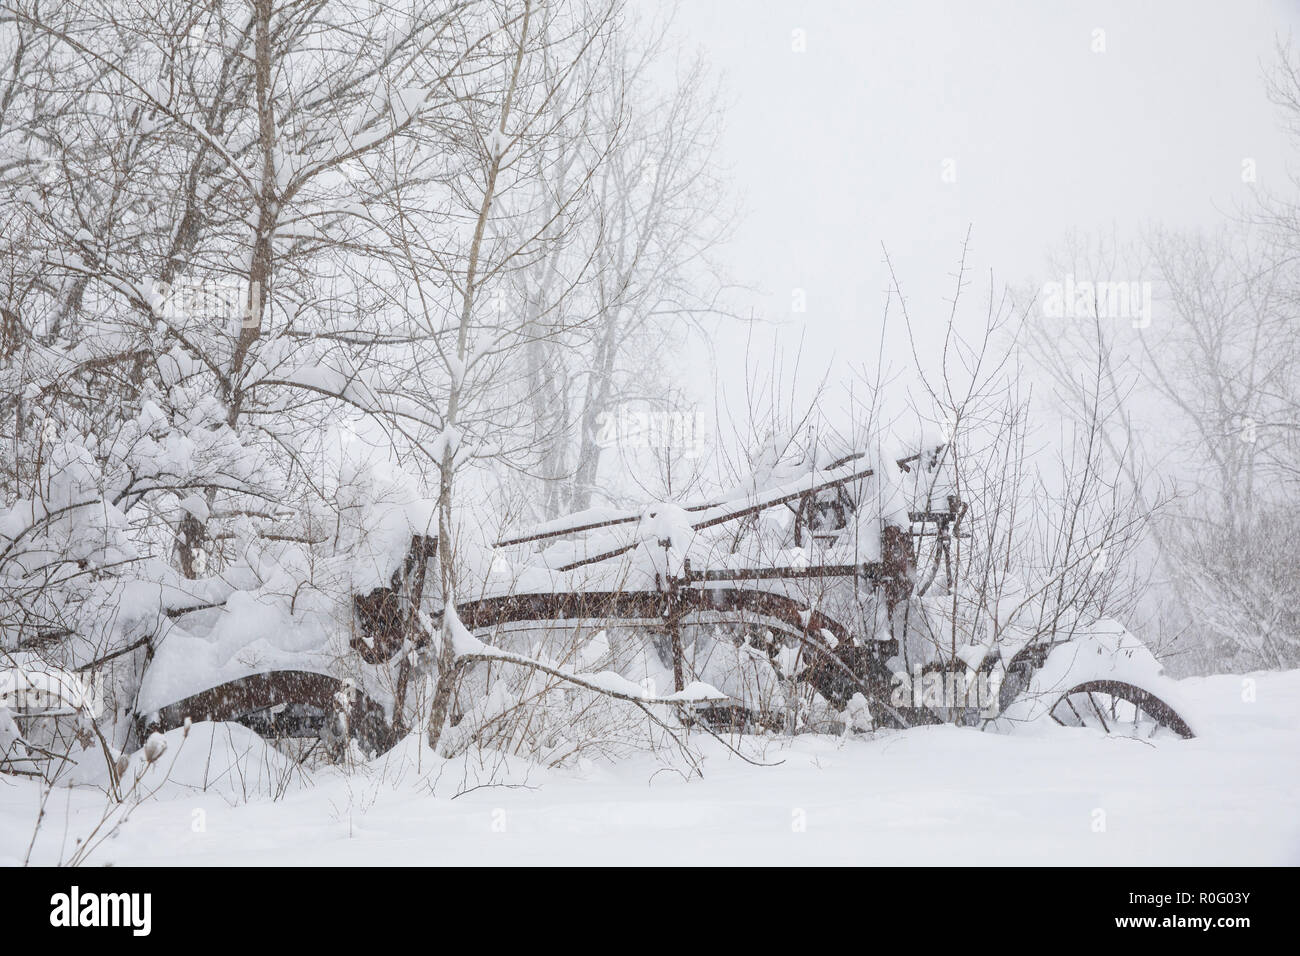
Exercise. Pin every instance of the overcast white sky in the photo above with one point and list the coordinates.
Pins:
(842, 147)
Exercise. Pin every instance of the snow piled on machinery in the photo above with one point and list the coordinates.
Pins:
(806, 596)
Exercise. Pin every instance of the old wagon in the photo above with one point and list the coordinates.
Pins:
(831, 564)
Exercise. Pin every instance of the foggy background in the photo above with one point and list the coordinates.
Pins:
(840, 148)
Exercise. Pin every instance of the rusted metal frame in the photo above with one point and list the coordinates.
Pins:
(781, 499)
(810, 507)
(258, 692)
(729, 516)
(387, 619)
(576, 529)
(633, 605)
(631, 518)
(672, 615)
(548, 607)
(898, 560)
(872, 570)
(682, 595)
(559, 606)
(780, 607)
(245, 696)
(808, 630)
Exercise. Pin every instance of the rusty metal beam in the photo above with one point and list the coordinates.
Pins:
(733, 514)
(633, 517)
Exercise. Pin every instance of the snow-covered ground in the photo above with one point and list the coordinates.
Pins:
(924, 796)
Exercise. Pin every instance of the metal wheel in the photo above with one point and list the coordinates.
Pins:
(1116, 707)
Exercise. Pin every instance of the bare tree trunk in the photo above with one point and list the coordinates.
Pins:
(447, 671)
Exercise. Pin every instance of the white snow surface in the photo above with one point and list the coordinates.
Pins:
(924, 796)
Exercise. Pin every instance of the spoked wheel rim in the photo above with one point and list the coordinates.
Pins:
(1118, 708)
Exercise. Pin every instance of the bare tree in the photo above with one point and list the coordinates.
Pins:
(1039, 546)
(647, 279)
(1196, 399)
